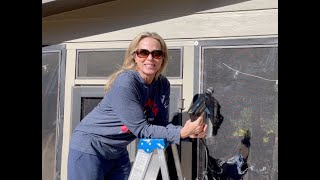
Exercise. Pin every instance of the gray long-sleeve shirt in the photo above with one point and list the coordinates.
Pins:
(130, 109)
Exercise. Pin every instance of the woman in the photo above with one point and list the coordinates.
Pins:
(135, 105)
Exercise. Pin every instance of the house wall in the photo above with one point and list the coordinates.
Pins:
(115, 23)
(123, 19)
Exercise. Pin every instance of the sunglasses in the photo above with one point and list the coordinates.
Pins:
(143, 53)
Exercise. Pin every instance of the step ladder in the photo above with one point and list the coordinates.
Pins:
(149, 160)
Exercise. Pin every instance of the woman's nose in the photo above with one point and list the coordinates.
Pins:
(150, 57)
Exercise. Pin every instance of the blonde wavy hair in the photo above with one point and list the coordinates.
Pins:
(129, 63)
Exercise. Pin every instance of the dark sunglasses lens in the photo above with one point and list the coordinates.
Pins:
(143, 53)
(157, 54)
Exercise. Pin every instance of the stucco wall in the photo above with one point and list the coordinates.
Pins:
(123, 19)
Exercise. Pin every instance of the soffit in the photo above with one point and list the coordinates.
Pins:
(51, 7)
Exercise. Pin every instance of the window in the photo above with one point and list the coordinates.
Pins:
(102, 63)
(98, 63)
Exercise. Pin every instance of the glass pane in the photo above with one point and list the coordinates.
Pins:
(50, 72)
(174, 64)
(175, 95)
(99, 63)
(245, 84)
(87, 105)
(103, 63)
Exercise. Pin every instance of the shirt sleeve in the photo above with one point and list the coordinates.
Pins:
(125, 98)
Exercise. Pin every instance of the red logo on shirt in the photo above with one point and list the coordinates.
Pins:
(152, 105)
(124, 129)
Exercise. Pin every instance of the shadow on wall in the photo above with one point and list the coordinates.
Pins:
(118, 15)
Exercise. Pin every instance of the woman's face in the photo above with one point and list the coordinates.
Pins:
(148, 64)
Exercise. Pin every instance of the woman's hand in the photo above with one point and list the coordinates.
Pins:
(202, 133)
(195, 129)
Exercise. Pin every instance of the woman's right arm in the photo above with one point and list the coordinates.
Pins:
(124, 96)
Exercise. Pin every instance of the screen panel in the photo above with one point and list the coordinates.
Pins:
(50, 72)
(245, 82)
(53, 75)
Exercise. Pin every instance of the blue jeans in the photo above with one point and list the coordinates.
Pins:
(84, 166)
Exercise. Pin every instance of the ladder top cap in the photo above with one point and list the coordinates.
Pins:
(148, 145)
